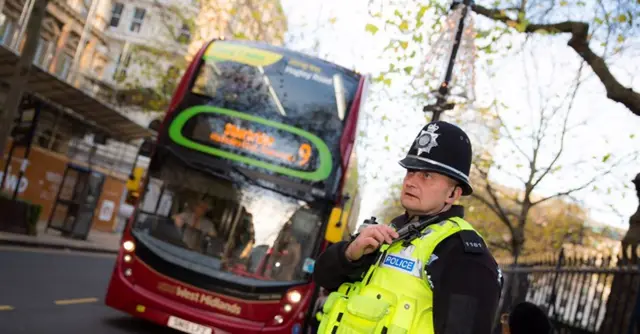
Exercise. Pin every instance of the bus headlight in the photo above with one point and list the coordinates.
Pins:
(294, 296)
(290, 302)
(129, 246)
(127, 258)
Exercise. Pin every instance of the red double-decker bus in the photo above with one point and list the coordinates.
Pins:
(244, 189)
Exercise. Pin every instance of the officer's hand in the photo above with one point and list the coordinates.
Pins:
(370, 239)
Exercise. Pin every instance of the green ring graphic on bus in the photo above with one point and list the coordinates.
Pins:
(321, 173)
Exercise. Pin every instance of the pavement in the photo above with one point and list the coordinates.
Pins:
(60, 291)
(97, 241)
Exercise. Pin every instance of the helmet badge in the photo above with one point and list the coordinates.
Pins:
(427, 139)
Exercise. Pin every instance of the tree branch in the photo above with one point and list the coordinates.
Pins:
(486, 202)
(510, 135)
(495, 206)
(580, 43)
(564, 193)
(499, 245)
(585, 185)
(564, 131)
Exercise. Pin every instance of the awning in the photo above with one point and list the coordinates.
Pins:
(62, 95)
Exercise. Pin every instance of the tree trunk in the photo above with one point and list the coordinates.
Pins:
(622, 302)
(517, 243)
(625, 289)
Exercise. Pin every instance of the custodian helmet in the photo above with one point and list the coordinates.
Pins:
(443, 148)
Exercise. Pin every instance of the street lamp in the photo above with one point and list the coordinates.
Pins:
(460, 87)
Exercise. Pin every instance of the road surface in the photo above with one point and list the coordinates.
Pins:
(51, 291)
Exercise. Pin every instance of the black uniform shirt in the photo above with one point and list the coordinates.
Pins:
(464, 277)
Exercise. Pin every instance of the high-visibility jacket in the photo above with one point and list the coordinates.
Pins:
(395, 295)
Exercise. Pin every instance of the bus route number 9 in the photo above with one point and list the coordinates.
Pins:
(304, 152)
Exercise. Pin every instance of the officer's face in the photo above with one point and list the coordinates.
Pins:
(427, 192)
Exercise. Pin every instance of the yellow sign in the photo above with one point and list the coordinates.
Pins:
(134, 185)
(260, 143)
(199, 297)
(242, 54)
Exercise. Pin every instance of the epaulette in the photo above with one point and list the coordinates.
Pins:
(472, 242)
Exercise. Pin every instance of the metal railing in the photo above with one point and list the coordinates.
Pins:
(581, 293)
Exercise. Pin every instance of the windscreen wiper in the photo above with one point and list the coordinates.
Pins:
(257, 183)
(196, 165)
(202, 167)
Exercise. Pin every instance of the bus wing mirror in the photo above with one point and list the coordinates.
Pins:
(336, 226)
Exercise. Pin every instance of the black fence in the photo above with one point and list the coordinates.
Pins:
(581, 293)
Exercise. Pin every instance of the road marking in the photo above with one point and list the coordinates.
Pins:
(5, 308)
(54, 251)
(76, 301)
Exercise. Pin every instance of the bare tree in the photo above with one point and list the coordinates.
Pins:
(539, 156)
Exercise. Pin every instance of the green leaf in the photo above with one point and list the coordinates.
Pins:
(522, 26)
(404, 44)
(563, 3)
(386, 138)
(397, 13)
(490, 62)
(387, 82)
(408, 69)
(622, 18)
(371, 28)
(620, 38)
(404, 26)
(333, 20)
(606, 157)
(631, 136)
(421, 12)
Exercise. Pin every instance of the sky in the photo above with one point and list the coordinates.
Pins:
(599, 127)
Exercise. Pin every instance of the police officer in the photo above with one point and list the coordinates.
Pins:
(442, 280)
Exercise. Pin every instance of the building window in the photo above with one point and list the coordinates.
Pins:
(121, 66)
(185, 34)
(63, 66)
(43, 53)
(116, 13)
(6, 32)
(138, 17)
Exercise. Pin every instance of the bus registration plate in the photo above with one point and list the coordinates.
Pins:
(187, 326)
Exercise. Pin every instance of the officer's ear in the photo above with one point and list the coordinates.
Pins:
(454, 195)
